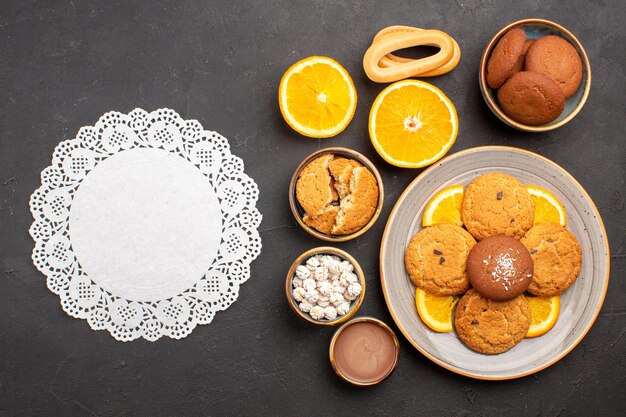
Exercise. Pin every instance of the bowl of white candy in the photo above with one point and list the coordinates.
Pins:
(325, 286)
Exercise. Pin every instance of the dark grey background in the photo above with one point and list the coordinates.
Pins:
(63, 64)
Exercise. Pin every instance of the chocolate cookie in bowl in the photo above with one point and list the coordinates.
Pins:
(336, 194)
(558, 59)
(532, 98)
(507, 58)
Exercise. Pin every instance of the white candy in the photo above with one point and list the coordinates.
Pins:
(312, 296)
(299, 294)
(324, 287)
(354, 289)
(323, 301)
(337, 287)
(336, 298)
(321, 273)
(343, 308)
(302, 272)
(335, 268)
(327, 261)
(305, 306)
(312, 263)
(309, 284)
(317, 312)
(351, 278)
(330, 313)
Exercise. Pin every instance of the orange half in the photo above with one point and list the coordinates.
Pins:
(317, 97)
(412, 124)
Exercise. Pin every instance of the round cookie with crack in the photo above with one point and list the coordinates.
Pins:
(324, 222)
(506, 58)
(497, 204)
(358, 206)
(491, 327)
(557, 258)
(436, 259)
(313, 188)
(341, 171)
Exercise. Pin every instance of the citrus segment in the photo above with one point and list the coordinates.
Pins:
(435, 311)
(412, 124)
(317, 97)
(444, 207)
(548, 209)
(544, 313)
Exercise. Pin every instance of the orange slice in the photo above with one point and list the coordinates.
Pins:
(548, 209)
(544, 313)
(412, 124)
(444, 207)
(317, 97)
(435, 311)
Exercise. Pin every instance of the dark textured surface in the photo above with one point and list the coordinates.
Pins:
(63, 64)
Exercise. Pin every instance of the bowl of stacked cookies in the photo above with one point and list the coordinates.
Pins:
(535, 75)
(336, 194)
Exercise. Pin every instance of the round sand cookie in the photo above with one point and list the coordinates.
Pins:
(504, 60)
(557, 258)
(497, 204)
(436, 259)
(499, 267)
(531, 98)
(557, 58)
(491, 327)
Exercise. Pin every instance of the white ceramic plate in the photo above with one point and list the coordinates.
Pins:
(580, 304)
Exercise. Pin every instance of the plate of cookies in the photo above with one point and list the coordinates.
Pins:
(494, 263)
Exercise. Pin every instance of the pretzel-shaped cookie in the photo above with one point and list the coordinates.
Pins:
(381, 65)
(391, 59)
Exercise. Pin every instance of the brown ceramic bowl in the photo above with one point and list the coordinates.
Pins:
(536, 28)
(298, 212)
(345, 377)
(325, 250)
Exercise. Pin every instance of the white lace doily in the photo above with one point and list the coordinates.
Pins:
(145, 225)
